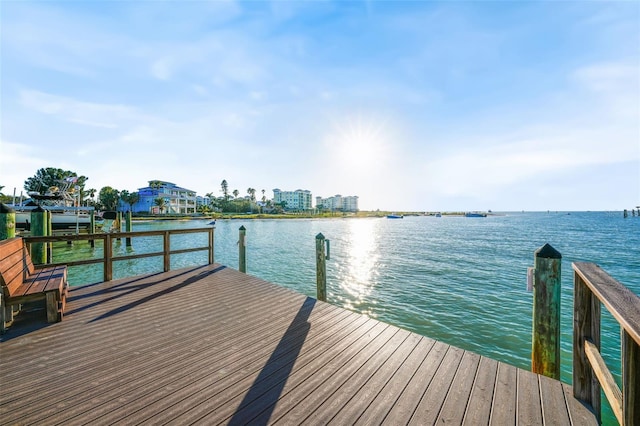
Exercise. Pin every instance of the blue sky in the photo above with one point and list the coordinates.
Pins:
(409, 105)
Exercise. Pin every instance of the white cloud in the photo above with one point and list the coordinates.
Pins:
(610, 77)
(86, 113)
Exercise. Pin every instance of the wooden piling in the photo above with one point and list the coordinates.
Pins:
(242, 250)
(545, 353)
(119, 223)
(92, 228)
(321, 268)
(38, 229)
(49, 227)
(7, 222)
(128, 227)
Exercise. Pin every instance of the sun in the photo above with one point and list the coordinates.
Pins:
(359, 143)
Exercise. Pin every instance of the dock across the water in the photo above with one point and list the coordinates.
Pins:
(211, 345)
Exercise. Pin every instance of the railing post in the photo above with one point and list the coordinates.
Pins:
(211, 247)
(242, 250)
(545, 353)
(167, 249)
(108, 258)
(630, 379)
(321, 268)
(586, 326)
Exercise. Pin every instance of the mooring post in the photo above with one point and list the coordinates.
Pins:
(7, 222)
(92, 228)
(624, 213)
(119, 223)
(49, 227)
(242, 250)
(38, 229)
(128, 227)
(321, 268)
(545, 352)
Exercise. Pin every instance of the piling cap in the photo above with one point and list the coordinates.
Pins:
(547, 252)
(6, 209)
(319, 236)
(242, 228)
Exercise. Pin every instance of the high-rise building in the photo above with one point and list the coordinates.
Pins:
(300, 199)
(338, 202)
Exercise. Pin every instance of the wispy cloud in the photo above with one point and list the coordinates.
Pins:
(80, 112)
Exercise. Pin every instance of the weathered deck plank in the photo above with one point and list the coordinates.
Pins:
(210, 345)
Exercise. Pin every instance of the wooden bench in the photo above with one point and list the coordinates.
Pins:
(22, 282)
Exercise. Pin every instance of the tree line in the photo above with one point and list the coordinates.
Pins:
(52, 180)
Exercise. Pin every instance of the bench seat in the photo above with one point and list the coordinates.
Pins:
(22, 282)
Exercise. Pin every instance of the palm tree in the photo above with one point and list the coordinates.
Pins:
(92, 193)
(236, 193)
(155, 184)
(130, 198)
(263, 196)
(160, 203)
(225, 189)
(252, 194)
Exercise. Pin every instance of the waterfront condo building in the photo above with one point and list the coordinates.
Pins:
(300, 199)
(338, 203)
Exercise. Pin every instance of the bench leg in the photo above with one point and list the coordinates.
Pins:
(6, 315)
(53, 314)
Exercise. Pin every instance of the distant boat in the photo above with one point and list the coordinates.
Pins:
(438, 214)
(475, 214)
(395, 216)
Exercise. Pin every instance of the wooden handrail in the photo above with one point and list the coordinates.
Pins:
(592, 287)
(108, 257)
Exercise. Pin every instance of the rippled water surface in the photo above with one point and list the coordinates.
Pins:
(459, 280)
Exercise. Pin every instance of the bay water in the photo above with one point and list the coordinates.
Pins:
(455, 279)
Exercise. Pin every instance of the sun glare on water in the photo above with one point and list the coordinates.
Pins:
(360, 272)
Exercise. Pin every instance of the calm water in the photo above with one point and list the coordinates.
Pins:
(459, 280)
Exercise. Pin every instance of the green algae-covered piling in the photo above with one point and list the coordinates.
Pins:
(545, 352)
(242, 250)
(7, 222)
(39, 228)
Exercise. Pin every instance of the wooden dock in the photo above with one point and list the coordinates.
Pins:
(210, 345)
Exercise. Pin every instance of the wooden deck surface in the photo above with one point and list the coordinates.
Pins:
(210, 345)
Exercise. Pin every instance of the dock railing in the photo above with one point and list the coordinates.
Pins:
(108, 258)
(593, 287)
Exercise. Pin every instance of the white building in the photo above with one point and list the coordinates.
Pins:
(338, 202)
(300, 199)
